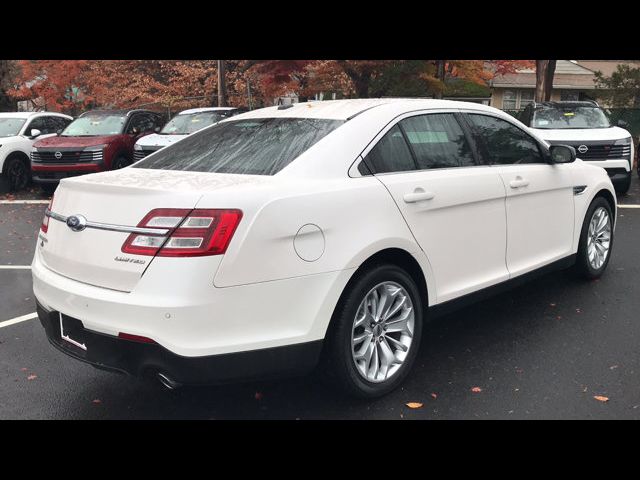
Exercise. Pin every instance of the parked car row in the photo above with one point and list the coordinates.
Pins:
(45, 147)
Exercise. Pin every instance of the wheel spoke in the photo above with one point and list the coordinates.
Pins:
(396, 343)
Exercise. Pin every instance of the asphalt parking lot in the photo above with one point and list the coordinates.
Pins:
(543, 350)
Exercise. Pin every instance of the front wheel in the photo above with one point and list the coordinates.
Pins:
(120, 162)
(624, 186)
(596, 240)
(17, 172)
(375, 333)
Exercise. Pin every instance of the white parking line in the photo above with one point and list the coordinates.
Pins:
(15, 267)
(628, 206)
(23, 318)
(24, 202)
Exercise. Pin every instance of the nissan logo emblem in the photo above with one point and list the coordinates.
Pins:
(58, 155)
(77, 223)
(583, 149)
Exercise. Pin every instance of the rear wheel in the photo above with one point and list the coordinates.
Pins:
(17, 172)
(596, 239)
(375, 333)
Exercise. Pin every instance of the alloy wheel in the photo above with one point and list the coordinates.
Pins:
(599, 238)
(382, 332)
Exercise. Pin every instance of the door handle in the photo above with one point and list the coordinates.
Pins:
(519, 182)
(418, 195)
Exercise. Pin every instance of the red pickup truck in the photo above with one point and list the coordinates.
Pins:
(97, 140)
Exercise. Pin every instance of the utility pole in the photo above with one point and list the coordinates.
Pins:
(222, 88)
(440, 75)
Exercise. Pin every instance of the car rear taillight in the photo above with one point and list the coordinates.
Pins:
(45, 220)
(191, 233)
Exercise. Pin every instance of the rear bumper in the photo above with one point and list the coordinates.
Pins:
(54, 173)
(193, 318)
(147, 359)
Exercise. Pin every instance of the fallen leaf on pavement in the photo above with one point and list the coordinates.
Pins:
(96, 401)
(32, 377)
(552, 304)
(258, 396)
(414, 405)
(23, 369)
(476, 389)
(434, 396)
(600, 398)
(613, 367)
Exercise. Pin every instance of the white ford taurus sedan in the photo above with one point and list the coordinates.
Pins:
(320, 233)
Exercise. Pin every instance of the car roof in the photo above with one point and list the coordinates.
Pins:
(117, 112)
(346, 109)
(206, 109)
(567, 103)
(30, 114)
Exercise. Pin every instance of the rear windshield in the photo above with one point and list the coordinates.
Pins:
(570, 117)
(262, 146)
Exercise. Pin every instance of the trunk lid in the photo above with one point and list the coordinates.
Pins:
(119, 198)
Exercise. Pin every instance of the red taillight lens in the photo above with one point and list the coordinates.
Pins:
(191, 233)
(45, 221)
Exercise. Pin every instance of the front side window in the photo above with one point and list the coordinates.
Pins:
(569, 116)
(391, 154)
(504, 143)
(90, 125)
(261, 146)
(38, 123)
(10, 127)
(192, 122)
(57, 123)
(437, 141)
(141, 123)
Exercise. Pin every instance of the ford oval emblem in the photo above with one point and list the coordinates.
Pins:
(583, 149)
(58, 155)
(77, 223)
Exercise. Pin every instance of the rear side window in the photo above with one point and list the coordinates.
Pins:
(437, 141)
(504, 143)
(261, 146)
(391, 154)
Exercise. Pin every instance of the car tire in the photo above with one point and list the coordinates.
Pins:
(624, 186)
(120, 162)
(589, 262)
(49, 188)
(17, 172)
(380, 375)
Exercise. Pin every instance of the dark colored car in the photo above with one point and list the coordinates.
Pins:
(96, 141)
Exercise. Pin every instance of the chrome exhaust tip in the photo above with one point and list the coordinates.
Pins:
(168, 383)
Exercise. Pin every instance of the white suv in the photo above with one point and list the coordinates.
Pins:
(584, 126)
(183, 124)
(18, 132)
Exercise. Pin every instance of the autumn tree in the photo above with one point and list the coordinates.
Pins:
(57, 83)
(621, 88)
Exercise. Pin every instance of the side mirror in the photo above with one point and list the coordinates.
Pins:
(622, 124)
(58, 132)
(157, 129)
(562, 154)
(35, 133)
